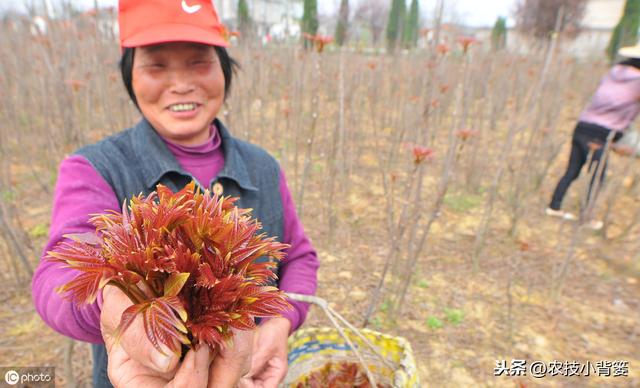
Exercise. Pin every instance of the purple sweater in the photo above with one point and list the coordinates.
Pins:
(81, 191)
(616, 102)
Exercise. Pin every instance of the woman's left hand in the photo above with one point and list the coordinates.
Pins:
(269, 359)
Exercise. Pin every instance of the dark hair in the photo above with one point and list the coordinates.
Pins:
(228, 64)
(635, 62)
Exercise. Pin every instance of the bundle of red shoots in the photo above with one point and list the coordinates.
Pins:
(339, 374)
(187, 261)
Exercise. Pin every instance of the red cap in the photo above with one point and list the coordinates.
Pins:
(145, 22)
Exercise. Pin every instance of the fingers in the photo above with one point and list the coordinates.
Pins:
(233, 362)
(259, 359)
(246, 382)
(134, 340)
(269, 359)
(194, 369)
(124, 372)
(192, 373)
(272, 375)
(280, 368)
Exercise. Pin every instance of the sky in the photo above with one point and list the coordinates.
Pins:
(470, 12)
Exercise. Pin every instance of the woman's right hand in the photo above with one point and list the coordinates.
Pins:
(134, 361)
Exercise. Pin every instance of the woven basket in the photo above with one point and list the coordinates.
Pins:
(389, 359)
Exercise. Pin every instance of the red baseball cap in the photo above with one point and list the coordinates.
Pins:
(145, 22)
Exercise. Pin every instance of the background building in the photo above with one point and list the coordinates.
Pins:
(600, 19)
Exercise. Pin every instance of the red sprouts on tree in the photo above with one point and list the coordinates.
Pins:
(422, 154)
(466, 42)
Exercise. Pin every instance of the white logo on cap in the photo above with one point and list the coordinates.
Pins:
(190, 8)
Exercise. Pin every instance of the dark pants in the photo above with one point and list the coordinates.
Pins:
(100, 377)
(584, 134)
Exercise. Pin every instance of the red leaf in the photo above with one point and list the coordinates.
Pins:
(206, 278)
(95, 272)
(466, 133)
(162, 326)
(261, 273)
(84, 288)
(263, 302)
(421, 154)
(127, 318)
(77, 255)
(242, 322)
(86, 238)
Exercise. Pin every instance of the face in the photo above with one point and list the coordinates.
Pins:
(179, 87)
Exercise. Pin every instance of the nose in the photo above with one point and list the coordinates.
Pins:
(181, 82)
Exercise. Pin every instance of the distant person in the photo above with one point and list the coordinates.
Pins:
(178, 73)
(613, 107)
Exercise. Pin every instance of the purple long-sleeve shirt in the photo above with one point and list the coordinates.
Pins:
(616, 102)
(81, 191)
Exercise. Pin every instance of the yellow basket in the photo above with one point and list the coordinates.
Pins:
(389, 359)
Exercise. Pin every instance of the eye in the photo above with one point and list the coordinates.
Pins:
(201, 62)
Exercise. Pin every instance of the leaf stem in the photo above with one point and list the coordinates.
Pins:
(146, 290)
(133, 293)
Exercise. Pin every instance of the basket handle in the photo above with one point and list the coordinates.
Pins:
(334, 317)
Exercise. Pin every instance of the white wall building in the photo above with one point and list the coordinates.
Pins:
(603, 14)
(600, 19)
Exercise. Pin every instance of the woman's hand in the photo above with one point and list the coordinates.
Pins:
(233, 362)
(269, 361)
(134, 361)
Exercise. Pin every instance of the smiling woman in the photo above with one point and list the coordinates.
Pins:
(179, 88)
(177, 71)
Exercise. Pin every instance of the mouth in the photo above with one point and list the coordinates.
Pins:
(183, 107)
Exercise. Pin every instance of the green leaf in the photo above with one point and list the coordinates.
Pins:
(463, 202)
(376, 322)
(422, 283)
(175, 282)
(40, 230)
(7, 195)
(434, 323)
(454, 316)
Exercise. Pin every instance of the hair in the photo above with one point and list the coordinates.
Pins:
(228, 64)
(634, 62)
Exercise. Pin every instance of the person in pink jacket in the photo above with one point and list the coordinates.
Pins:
(614, 105)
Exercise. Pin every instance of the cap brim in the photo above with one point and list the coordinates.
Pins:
(163, 33)
(630, 52)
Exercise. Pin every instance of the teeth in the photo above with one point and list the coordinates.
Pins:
(182, 107)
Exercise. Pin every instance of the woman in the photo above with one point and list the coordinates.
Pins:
(177, 72)
(613, 107)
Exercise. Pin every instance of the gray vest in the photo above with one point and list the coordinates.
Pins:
(136, 160)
